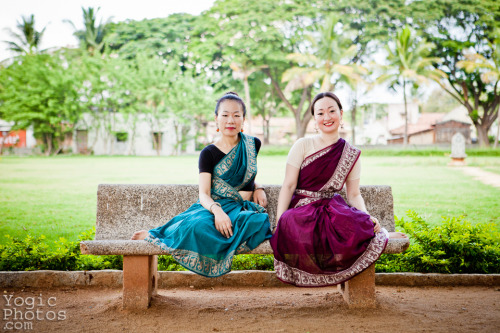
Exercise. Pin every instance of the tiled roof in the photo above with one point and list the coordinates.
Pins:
(424, 123)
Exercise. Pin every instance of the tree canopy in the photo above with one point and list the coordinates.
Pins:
(277, 53)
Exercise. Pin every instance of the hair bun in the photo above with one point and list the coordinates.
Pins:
(231, 93)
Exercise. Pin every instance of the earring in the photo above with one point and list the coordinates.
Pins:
(316, 129)
(217, 128)
(341, 124)
(242, 130)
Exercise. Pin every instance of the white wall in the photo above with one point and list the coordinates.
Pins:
(103, 143)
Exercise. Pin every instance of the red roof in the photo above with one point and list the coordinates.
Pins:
(424, 123)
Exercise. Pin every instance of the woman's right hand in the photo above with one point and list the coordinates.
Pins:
(223, 223)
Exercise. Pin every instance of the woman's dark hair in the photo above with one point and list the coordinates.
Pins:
(323, 95)
(232, 96)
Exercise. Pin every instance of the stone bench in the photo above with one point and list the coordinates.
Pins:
(123, 209)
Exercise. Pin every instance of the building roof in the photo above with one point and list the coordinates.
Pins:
(424, 123)
(459, 114)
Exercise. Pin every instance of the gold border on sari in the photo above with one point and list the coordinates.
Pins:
(336, 181)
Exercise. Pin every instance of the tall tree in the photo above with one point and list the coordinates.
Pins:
(459, 28)
(487, 69)
(190, 104)
(266, 104)
(409, 65)
(27, 40)
(328, 61)
(43, 92)
(92, 36)
(151, 87)
(258, 34)
(242, 71)
(167, 37)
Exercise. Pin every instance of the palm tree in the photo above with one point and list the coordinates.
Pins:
(241, 71)
(28, 39)
(92, 37)
(330, 61)
(409, 66)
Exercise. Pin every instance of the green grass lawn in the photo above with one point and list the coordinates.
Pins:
(56, 196)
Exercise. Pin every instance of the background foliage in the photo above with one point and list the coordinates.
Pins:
(279, 51)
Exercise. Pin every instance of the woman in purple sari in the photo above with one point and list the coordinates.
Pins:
(320, 240)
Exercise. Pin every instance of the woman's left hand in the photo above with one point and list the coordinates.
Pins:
(259, 197)
(376, 224)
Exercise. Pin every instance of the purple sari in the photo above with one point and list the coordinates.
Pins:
(320, 240)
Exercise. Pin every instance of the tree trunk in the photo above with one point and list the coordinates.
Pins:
(158, 142)
(265, 128)
(300, 122)
(405, 138)
(248, 106)
(495, 144)
(482, 135)
(301, 129)
(48, 142)
(4, 136)
(353, 119)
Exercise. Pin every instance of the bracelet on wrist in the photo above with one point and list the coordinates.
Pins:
(214, 203)
(258, 188)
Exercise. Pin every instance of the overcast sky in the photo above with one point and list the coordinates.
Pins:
(52, 13)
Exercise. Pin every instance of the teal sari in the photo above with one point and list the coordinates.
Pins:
(191, 237)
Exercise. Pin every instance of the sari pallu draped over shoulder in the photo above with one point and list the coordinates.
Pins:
(320, 240)
(191, 237)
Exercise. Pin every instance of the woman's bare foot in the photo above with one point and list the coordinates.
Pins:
(139, 235)
(397, 235)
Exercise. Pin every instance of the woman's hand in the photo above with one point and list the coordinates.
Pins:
(259, 197)
(223, 222)
(376, 224)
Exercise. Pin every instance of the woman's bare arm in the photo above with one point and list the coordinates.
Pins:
(287, 189)
(222, 221)
(355, 199)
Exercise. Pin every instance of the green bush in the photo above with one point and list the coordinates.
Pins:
(455, 246)
(33, 253)
(167, 263)
(240, 262)
(263, 262)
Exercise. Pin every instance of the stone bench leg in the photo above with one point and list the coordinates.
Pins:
(359, 292)
(140, 278)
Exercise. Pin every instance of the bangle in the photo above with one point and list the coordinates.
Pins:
(213, 203)
(258, 188)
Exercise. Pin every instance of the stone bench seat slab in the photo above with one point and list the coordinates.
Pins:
(123, 209)
(143, 248)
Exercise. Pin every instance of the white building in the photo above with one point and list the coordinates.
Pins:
(134, 135)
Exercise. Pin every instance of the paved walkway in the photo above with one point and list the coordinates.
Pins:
(486, 177)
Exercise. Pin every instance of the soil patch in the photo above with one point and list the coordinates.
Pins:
(253, 309)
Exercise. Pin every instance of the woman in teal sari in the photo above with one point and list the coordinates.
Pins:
(224, 221)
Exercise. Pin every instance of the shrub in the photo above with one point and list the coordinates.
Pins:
(253, 262)
(167, 263)
(455, 246)
(240, 262)
(33, 253)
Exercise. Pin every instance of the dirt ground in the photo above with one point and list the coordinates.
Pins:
(253, 309)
